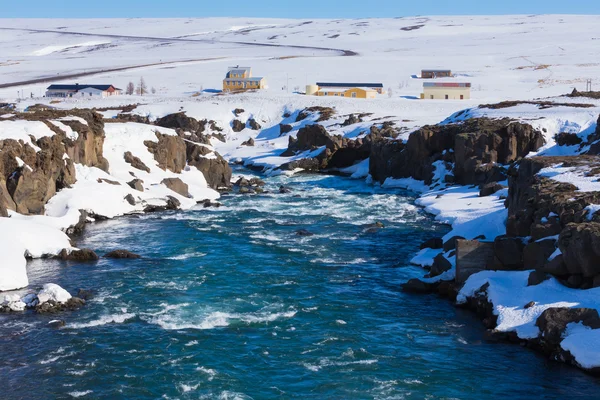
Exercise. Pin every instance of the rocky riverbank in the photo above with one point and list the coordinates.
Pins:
(521, 224)
(62, 168)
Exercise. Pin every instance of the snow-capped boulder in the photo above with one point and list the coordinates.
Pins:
(53, 292)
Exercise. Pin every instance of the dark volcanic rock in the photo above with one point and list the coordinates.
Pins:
(255, 126)
(135, 161)
(537, 277)
(580, 247)
(249, 142)
(177, 185)
(85, 294)
(489, 189)
(556, 266)
(52, 307)
(509, 252)
(324, 113)
(303, 232)
(433, 243)
(351, 120)
(440, 265)
(538, 206)
(78, 255)
(57, 323)
(130, 199)
(554, 321)
(27, 188)
(450, 244)
(284, 128)
(179, 121)
(121, 254)
(477, 146)
(172, 204)
(417, 286)
(567, 139)
(169, 152)
(536, 254)
(137, 184)
(237, 125)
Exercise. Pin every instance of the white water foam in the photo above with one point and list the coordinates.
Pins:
(105, 319)
(185, 256)
(216, 319)
(80, 394)
(208, 371)
(188, 388)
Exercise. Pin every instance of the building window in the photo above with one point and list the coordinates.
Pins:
(353, 94)
(446, 97)
(325, 94)
(462, 97)
(431, 97)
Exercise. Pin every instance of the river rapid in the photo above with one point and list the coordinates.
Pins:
(230, 303)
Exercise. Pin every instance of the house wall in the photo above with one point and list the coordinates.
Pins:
(59, 93)
(352, 93)
(440, 93)
(241, 85)
(431, 74)
(91, 92)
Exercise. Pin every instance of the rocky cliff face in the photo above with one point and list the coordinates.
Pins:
(339, 152)
(194, 144)
(26, 185)
(32, 173)
(541, 208)
(478, 148)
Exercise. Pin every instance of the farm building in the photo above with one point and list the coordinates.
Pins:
(354, 92)
(446, 91)
(239, 79)
(78, 90)
(435, 73)
(378, 87)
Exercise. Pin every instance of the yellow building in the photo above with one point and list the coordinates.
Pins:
(357, 92)
(239, 79)
(446, 91)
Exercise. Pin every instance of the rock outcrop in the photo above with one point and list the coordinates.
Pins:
(119, 254)
(338, 151)
(196, 149)
(27, 185)
(177, 185)
(479, 148)
(169, 152)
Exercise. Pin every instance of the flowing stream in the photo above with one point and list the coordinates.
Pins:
(231, 303)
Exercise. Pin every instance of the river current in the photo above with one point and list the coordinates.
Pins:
(230, 303)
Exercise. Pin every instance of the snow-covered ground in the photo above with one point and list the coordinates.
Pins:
(43, 235)
(506, 57)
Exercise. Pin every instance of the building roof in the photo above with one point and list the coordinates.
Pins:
(350, 85)
(436, 70)
(447, 84)
(238, 70)
(344, 90)
(77, 87)
(333, 90)
(255, 79)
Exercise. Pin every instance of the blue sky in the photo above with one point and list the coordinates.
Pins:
(287, 8)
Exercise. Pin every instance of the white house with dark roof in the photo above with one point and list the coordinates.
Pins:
(85, 91)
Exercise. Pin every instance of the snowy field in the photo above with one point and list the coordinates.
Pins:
(507, 57)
